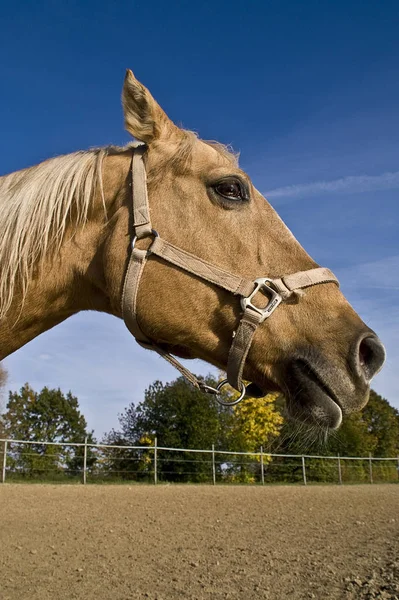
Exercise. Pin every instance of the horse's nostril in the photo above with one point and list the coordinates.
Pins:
(365, 353)
(371, 356)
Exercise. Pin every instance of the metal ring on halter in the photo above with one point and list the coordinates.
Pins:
(154, 232)
(233, 402)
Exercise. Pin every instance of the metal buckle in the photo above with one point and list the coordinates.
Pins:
(263, 283)
(153, 232)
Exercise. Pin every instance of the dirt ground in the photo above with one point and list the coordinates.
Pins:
(198, 542)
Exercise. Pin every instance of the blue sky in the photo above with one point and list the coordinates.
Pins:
(307, 92)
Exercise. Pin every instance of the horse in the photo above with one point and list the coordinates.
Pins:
(171, 235)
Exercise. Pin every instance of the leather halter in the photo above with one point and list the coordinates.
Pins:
(277, 290)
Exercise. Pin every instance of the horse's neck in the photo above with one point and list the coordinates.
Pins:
(69, 282)
(53, 297)
(42, 309)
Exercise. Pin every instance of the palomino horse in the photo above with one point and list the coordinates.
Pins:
(201, 266)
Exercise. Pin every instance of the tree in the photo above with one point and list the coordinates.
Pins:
(374, 430)
(255, 423)
(353, 438)
(180, 416)
(3, 379)
(382, 421)
(47, 416)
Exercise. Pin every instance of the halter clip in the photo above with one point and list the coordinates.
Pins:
(266, 284)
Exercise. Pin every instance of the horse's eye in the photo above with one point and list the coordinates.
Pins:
(231, 189)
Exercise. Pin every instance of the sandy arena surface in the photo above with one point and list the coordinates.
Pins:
(140, 542)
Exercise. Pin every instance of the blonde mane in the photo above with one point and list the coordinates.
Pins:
(36, 206)
(39, 203)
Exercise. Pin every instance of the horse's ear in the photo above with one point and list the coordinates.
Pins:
(144, 118)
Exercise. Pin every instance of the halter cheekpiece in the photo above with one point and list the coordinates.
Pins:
(277, 290)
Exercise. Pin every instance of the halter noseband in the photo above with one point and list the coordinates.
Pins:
(277, 290)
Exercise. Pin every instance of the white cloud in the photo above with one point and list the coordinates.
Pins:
(351, 184)
(380, 274)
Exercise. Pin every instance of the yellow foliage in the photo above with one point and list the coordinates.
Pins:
(146, 439)
(257, 421)
(242, 477)
(146, 456)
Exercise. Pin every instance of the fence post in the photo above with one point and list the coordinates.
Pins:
(339, 471)
(3, 473)
(262, 468)
(371, 468)
(304, 471)
(155, 461)
(397, 458)
(85, 462)
(213, 465)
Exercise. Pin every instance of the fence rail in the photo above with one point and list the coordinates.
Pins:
(90, 463)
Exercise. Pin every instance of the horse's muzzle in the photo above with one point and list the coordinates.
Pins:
(320, 393)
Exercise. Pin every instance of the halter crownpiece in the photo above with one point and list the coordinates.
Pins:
(277, 290)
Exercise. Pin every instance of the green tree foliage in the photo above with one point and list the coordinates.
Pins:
(3, 379)
(180, 417)
(382, 421)
(374, 430)
(354, 437)
(48, 416)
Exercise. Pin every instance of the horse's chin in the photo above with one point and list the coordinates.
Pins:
(312, 398)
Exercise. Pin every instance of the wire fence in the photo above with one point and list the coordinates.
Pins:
(22, 460)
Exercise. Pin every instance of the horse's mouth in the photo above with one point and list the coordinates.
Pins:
(310, 398)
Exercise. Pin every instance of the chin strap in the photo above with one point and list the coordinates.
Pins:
(277, 290)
